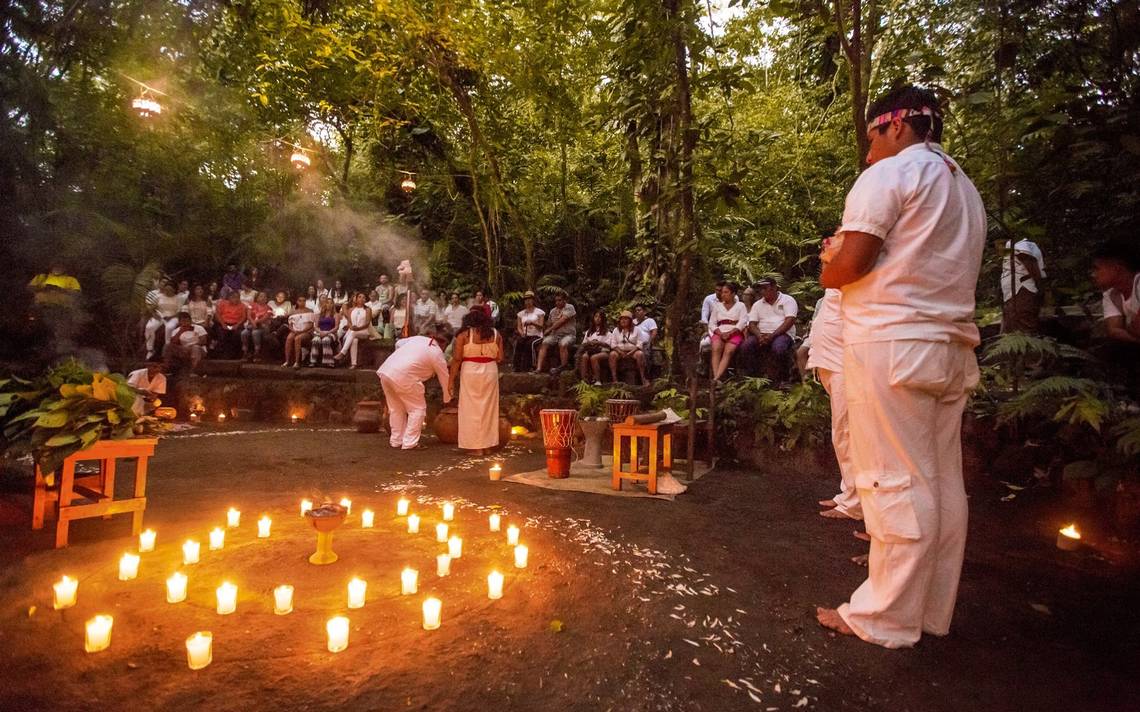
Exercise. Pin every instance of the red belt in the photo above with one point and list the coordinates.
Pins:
(722, 322)
(478, 359)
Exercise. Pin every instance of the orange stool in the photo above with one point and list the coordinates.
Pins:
(660, 451)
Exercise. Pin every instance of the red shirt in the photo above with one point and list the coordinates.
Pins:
(229, 313)
(257, 310)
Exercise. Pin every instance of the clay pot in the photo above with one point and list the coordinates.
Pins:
(504, 430)
(446, 425)
(367, 417)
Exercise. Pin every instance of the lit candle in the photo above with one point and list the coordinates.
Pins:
(263, 525)
(296, 418)
(521, 553)
(338, 633)
(217, 538)
(432, 613)
(146, 541)
(128, 567)
(98, 634)
(347, 504)
(413, 524)
(283, 600)
(1069, 538)
(441, 532)
(408, 579)
(442, 565)
(65, 593)
(455, 547)
(176, 587)
(495, 521)
(512, 535)
(190, 551)
(402, 507)
(356, 591)
(194, 417)
(227, 598)
(221, 417)
(494, 585)
(366, 518)
(233, 517)
(199, 649)
(448, 511)
(306, 506)
(496, 472)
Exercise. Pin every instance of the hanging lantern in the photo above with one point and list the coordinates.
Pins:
(299, 160)
(146, 107)
(407, 185)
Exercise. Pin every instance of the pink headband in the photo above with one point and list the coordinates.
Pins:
(901, 114)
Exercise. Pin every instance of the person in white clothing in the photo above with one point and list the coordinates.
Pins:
(402, 377)
(594, 353)
(164, 307)
(627, 342)
(560, 330)
(425, 312)
(1116, 271)
(772, 321)
(728, 320)
(150, 383)
(1022, 286)
(454, 312)
(907, 259)
(706, 310)
(646, 323)
(529, 323)
(187, 343)
(359, 328)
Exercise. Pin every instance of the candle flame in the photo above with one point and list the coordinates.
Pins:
(1071, 532)
(519, 430)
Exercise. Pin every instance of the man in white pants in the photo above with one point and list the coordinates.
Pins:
(912, 237)
(402, 377)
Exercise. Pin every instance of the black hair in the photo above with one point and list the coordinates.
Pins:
(479, 320)
(605, 325)
(1118, 250)
(721, 282)
(733, 286)
(909, 96)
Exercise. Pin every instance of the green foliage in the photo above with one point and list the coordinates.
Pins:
(677, 400)
(592, 399)
(798, 416)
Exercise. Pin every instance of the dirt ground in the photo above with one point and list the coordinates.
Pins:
(705, 603)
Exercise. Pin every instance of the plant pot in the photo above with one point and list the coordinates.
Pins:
(367, 417)
(594, 429)
(446, 425)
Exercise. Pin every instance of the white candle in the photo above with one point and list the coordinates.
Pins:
(496, 472)
(413, 524)
(442, 565)
(356, 590)
(448, 511)
(295, 418)
(306, 506)
(402, 507)
(408, 579)
(512, 535)
(494, 585)
(233, 517)
(283, 600)
(432, 613)
(221, 417)
(146, 541)
(190, 551)
(455, 547)
(65, 593)
(227, 598)
(520, 556)
(128, 567)
(217, 538)
(441, 532)
(338, 633)
(263, 525)
(199, 649)
(98, 634)
(367, 518)
(176, 587)
(495, 521)
(347, 504)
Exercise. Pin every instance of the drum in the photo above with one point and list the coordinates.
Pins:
(558, 436)
(617, 409)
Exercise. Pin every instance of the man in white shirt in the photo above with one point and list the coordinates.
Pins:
(907, 260)
(647, 324)
(706, 310)
(187, 343)
(150, 383)
(772, 320)
(561, 330)
(1116, 271)
(454, 312)
(1021, 286)
(402, 377)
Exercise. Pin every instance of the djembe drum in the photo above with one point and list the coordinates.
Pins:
(558, 436)
(618, 409)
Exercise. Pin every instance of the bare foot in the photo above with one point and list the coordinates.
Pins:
(827, 503)
(861, 536)
(830, 618)
(834, 514)
(861, 559)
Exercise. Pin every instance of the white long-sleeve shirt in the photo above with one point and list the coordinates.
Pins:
(415, 359)
(737, 314)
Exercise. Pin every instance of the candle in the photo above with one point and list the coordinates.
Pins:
(283, 600)
(413, 524)
(128, 567)
(65, 593)
(356, 591)
(338, 633)
(263, 525)
(98, 634)
(366, 518)
(496, 472)
(448, 511)
(199, 649)
(441, 532)
(520, 556)
(402, 507)
(295, 418)
(494, 585)
(227, 598)
(176, 587)
(495, 521)
(347, 504)
(512, 535)
(432, 610)
(146, 541)
(194, 417)
(455, 547)
(190, 552)
(408, 579)
(221, 417)
(217, 538)
(233, 517)
(1069, 538)
(442, 565)
(306, 506)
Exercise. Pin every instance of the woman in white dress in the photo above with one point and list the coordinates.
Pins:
(728, 320)
(359, 328)
(475, 365)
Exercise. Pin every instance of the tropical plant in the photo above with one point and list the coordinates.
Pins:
(592, 399)
(798, 416)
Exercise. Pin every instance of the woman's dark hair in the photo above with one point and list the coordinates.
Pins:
(1118, 250)
(594, 329)
(732, 287)
(479, 321)
(909, 96)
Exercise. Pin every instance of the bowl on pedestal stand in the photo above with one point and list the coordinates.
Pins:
(325, 519)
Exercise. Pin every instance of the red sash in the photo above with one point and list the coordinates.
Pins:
(478, 359)
(722, 322)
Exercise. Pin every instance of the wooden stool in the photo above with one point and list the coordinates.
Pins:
(660, 437)
(98, 488)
